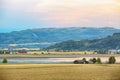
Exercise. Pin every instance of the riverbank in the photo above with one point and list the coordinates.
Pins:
(56, 55)
(59, 72)
(54, 59)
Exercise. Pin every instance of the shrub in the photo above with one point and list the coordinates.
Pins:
(84, 59)
(112, 60)
(93, 60)
(42, 52)
(78, 62)
(4, 60)
(98, 61)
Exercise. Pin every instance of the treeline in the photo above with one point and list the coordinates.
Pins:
(5, 51)
(111, 60)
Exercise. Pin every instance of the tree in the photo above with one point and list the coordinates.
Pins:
(42, 52)
(84, 59)
(93, 60)
(112, 60)
(98, 61)
(4, 60)
(1, 52)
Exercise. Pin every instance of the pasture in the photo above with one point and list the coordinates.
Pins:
(59, 72)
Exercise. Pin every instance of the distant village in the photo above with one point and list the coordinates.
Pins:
(39, 51)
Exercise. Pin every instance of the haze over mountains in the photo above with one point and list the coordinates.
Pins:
(44, 37)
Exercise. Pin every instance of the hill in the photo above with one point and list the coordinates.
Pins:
(109, 42)
(44, 37)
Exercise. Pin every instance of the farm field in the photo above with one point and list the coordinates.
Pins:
(56, 55)
(39, 52)
(80, 52)
(59, 72)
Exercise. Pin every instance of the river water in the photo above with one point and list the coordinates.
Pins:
(52, 60)
(40, 60)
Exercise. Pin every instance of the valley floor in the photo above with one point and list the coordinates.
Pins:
(59, 72)
(55, 55)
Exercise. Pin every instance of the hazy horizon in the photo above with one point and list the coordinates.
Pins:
(9, 30)
(19, 15)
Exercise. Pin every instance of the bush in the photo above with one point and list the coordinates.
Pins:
(78, 62)
(112, 60)
(98, 61)
(42, 52)
(84, 59)
(93, 60)
(4, 60)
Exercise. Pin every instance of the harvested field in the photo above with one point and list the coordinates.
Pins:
(59, 72)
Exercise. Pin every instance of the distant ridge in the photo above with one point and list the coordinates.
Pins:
(107, 43)
(54, 35)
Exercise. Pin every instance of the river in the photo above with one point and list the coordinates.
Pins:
(52, 60)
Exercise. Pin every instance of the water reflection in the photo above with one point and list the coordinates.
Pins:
(40, 60)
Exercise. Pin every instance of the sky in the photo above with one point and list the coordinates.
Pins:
(18, 15)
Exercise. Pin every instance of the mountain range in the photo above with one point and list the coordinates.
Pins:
(44, 37)
(103, 44)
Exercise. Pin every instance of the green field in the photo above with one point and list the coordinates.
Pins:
(59, 72)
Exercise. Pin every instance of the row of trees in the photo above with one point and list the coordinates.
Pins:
(112, 60)
(94, 60)
(4, 52)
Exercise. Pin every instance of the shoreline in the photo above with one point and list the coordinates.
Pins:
(56, 58)
(56, 55)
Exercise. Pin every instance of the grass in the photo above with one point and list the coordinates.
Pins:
(79, 52)
(59, 72)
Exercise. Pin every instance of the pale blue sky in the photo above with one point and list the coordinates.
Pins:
(18, 15)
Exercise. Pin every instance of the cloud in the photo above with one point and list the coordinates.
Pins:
(67, 12)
